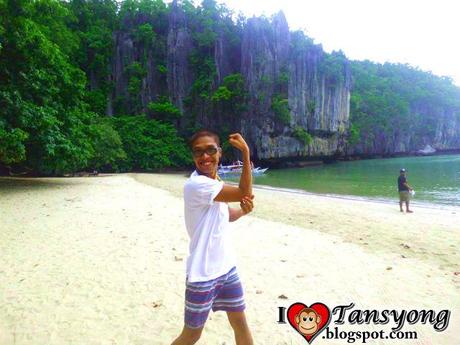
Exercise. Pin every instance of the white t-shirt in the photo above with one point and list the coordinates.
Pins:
(211, 253)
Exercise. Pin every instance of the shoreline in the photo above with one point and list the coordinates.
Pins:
(324, 213)
(104, 258)
(310, 162)
(298, 162)
(386, 201)
(185, 174)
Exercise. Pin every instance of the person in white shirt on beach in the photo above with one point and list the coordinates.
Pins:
(212, 281)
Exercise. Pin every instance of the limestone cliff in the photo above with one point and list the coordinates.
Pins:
(297, 102)
(276, 65)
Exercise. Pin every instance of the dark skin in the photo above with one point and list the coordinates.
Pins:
(402, 173)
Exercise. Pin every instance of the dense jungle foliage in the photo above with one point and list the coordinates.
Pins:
(55, 78)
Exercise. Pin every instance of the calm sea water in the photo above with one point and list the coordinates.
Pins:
(435, 179)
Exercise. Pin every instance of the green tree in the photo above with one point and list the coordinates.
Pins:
(164, 110)
(107, 146)
(280, 107)
(390, 100)
(41, 92)
(12, 145)
(47, 127)
(333, 66)
(150, 144)
(93, 22)
(231, 96)
(302, 135)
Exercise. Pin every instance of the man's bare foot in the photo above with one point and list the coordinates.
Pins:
(409, 211)
(401, 210)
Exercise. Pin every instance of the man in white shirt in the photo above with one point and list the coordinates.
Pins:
(212, 280)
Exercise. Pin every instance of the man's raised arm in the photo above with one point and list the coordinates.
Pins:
(244, 189)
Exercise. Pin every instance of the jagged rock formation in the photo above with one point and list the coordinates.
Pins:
(447, 131)
(317, 104)
(298, 97)
(436, 127)
(179, 47)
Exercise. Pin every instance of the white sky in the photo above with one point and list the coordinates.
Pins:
(422, 33)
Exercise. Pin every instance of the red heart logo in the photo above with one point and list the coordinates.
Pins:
(309, 321)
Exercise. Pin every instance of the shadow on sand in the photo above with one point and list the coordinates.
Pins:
(19, 184)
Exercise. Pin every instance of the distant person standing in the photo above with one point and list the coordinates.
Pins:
(404, 191)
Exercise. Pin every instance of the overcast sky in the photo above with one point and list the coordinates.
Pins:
(422, 33)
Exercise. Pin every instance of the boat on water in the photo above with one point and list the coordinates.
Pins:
(237, 169)
(427, 150)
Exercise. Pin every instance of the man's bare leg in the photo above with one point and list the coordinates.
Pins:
(407, 207)
(189, 336)
(240, 327)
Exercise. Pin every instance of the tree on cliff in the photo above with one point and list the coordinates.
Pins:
(161, 70)
(396, 103)
(46, 124)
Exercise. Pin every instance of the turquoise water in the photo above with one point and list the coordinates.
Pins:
(436, 179)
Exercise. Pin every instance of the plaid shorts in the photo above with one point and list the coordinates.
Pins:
(223, 293)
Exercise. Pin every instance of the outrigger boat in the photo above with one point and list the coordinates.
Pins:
(237, 169)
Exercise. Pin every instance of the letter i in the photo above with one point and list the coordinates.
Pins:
(282, 315)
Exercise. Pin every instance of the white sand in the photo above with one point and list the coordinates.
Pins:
(101, 261)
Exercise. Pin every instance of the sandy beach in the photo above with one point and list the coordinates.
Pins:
(101, 260)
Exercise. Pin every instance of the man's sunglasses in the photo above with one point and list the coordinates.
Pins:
(210, 151)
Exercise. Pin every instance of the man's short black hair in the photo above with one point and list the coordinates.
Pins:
(204, 133)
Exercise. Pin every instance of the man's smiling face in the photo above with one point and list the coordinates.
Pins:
(206, 155)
